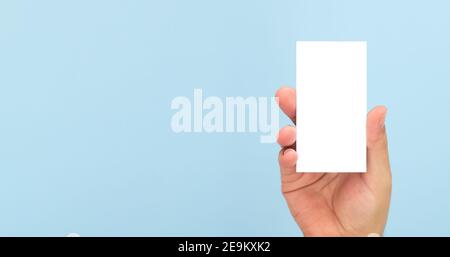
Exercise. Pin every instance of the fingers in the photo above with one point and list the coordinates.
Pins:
(378, 170)
(287, 160)
(287, 101)
(286, 136)
(288, 156)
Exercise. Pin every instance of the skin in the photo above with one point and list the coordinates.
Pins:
(337, 204)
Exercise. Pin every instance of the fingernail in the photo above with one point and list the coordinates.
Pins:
(289, 150)
(382, 120)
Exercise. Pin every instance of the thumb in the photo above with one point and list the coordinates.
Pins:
(378, 175)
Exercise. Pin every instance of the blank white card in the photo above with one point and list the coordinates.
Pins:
(331, 106)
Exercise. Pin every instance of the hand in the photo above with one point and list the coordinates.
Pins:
(337, 204)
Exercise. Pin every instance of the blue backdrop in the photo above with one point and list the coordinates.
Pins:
(85, 92)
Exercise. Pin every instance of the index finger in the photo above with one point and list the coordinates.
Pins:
(287, 101)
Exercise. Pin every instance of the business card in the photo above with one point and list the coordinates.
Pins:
(331, 106)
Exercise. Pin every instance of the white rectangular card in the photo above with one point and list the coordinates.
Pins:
(331, 106)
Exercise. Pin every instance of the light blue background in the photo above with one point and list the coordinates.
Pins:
(85, 92)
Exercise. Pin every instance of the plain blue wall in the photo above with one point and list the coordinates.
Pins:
(85, 91)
